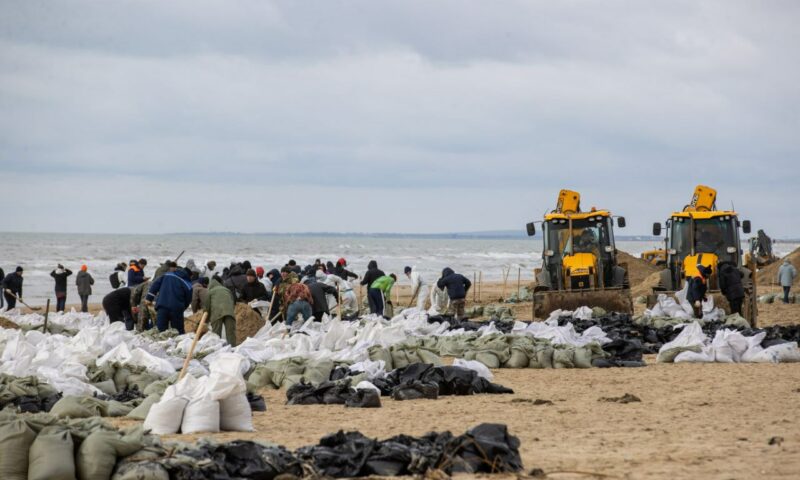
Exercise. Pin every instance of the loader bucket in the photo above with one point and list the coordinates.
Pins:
(610, 299)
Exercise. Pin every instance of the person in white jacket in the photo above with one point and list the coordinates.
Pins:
(419, 287)
(349, 300)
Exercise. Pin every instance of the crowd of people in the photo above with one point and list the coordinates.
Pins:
(285, 294)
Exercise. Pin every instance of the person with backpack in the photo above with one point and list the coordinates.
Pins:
(118, 277)
(174, 292)
(60, 275)
(84, 282)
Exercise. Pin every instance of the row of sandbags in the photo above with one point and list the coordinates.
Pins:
(26, 394)
(692, 345)
(45, 447)
(210, 403)
(487, 448)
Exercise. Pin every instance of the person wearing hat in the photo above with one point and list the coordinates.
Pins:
(342, 272)
(696, 291)
(200, 294)
(84, 282)
(786, 275)
(221, 310)
(253, 289)
(419, 287)
(60, 275)
(12, 288)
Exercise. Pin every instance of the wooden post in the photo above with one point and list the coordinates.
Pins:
(194, 344)
(519, 284)
(474, 286)
(339, 301)
(46, 313)
(480, 286)
(358, 307)
(505, 280)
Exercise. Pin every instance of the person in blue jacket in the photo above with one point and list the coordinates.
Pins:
(457, 286)
(172, 293)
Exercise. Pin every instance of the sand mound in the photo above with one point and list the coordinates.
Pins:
(769, 274)
(248, 322)
(190, 323)
(6, 323)
(638, 269)
(645, 287)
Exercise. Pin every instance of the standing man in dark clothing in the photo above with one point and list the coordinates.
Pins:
(2, 277)
(274, 276)
(60, 275)
(84, 282)
(236, 279)
(373, 273)
(696, 291)
(457, 286)
(12, 285)
(253, 289)
(730, 284)
(293, 266)
(341, 270)
(117, 306)
(174, 291)
(319, 306)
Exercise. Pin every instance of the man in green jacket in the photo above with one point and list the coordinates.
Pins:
(221, 311)
(381, 292)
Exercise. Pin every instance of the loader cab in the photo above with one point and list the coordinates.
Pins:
(579, 249)
(707, 238)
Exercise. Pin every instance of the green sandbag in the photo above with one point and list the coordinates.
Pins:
(23, 386)
(52, 455)
(292, 374)
(98, 454)
(260, 377)
(564, 357)
(140, 412)
(16, 438)
(107, 386)
(412, 355)
(427, 356)
(544, 356)
(377, 352)
(488, 358)
(121, 377)
(519, 358)
(583, 357)
(80, 407)
(141, 471)
(317, 371)
(142, 380)
(157, 387)
(119, 409)
(668, 355)
(399, 358)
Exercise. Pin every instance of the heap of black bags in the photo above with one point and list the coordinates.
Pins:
(504, 326)
(487, 448)
(332, 393)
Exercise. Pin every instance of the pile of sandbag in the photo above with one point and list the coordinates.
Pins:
(422, 380)
(45, 447)
(27, 394)
(289, 371)
(728, 346)
(206, 404)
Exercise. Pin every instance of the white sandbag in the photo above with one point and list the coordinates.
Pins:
(235, 414)
(728, 346)
(706, 355)
(691, 338)
(200, 415)
(365, 385)
(228, 363)
(781, 353)
(482, 370)
(166, 416)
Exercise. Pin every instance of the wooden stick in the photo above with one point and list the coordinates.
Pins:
(474, 286)
(519, 285)
(505, 280)
(480, 286)
(339, 301)
(194, 344)
(358, 307)
(46, 313)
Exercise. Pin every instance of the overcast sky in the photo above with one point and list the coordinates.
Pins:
(407, 116)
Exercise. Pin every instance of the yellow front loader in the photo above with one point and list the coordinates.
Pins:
(579, 260)
(702, 235)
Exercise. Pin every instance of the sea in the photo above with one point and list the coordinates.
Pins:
(39, 253)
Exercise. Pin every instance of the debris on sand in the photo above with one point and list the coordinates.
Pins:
(627, 398)
(6, 323)
(775, 441)
(538, 401)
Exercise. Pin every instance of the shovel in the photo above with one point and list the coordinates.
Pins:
(35, 309)
(194, 344)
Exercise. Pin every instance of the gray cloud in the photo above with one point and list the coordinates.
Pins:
(398, 113)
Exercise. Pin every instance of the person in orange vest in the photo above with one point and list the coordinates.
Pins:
(698, 286)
